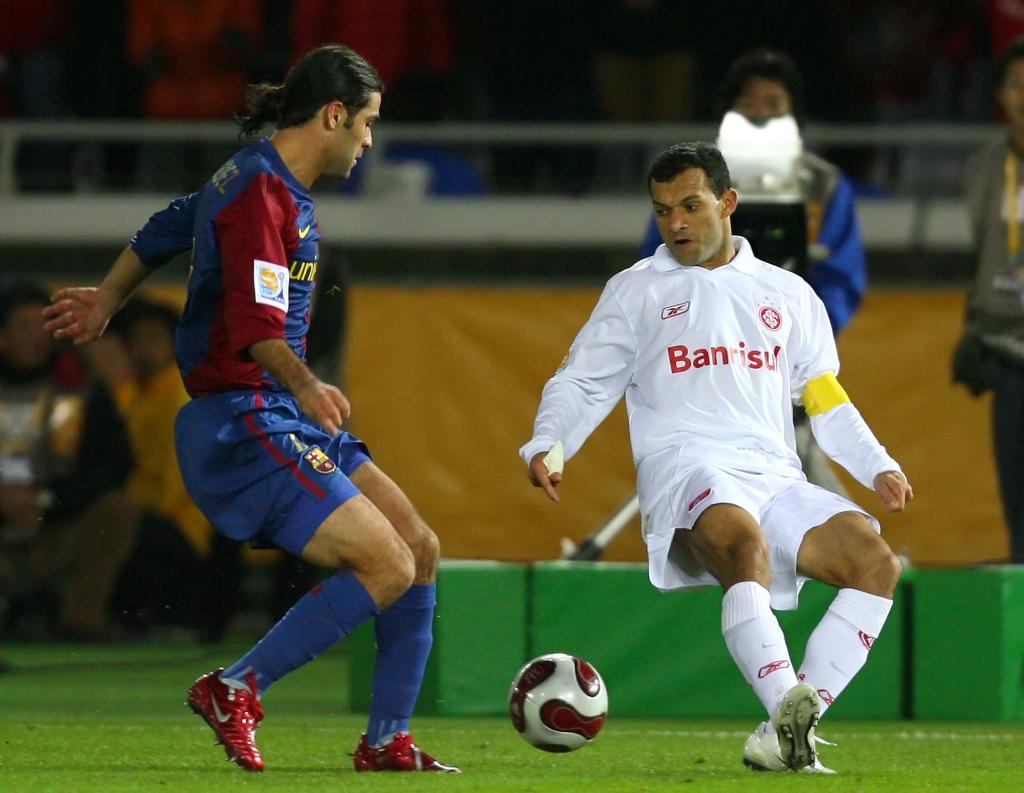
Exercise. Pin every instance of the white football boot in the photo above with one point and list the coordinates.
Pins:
(761, 752)
(795, 720)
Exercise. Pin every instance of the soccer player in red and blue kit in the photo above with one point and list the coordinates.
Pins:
(260, 444)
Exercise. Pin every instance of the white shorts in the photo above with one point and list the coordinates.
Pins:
(786, 509)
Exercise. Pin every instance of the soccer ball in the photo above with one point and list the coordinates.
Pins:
(558, 702)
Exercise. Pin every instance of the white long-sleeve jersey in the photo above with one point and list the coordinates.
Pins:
(711, 363)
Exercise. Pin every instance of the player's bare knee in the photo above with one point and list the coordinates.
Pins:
(883, 573)
(741, 557)
(871, 567)
(426, 550)
(403, 571)
(389, 579)
(748, 558)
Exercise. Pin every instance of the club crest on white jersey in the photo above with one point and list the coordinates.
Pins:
(770, 317)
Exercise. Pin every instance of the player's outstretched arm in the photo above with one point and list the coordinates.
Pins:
(82, 313)
(894, 490)
(541, 477)
(322, 402)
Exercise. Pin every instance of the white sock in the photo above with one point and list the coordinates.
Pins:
(756, 642)
(839, 645)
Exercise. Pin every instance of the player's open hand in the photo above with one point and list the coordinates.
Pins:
(894, 490)
(325, 404)
(78, 313)
(540, 476)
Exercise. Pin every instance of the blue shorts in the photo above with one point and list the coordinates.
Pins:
(262, 471)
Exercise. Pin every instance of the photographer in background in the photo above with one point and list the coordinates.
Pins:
(990, 353)
(763, 85)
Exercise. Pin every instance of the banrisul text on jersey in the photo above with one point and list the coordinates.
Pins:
(682, 359)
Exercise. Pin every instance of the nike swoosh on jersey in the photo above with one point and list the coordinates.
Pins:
(305, 231)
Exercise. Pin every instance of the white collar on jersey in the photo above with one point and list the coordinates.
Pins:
(743, 261)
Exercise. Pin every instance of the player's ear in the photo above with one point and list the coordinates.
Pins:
(334, 115)
(727, 204)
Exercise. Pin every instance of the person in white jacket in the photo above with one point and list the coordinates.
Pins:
(712, 347)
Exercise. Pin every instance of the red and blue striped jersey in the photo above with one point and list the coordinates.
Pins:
(255, 250)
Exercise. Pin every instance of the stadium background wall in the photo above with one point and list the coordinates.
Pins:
(444, 383)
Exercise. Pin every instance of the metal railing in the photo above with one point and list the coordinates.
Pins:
(14, 134)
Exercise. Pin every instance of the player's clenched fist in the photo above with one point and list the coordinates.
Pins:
(325, 404)
(894, 490)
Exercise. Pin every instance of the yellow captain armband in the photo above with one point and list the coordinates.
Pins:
(822, 394)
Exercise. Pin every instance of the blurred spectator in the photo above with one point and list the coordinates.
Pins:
(66, 525)
(637, 43)
(915, 60)
(193, 54)
(1005, 23)
(397, 36)
(911, 59)
(762, 85)
(32, 38)
(194, 58)
(160, 581)
(536, 62)
(31, 63)
(180, 572)
(990, 353)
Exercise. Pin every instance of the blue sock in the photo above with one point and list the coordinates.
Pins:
(404, 637)
(326, 614)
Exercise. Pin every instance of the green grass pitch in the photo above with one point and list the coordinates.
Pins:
(75, 718)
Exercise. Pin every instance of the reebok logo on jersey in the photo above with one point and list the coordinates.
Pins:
(674, 311)
(681, 358)
(270, 282)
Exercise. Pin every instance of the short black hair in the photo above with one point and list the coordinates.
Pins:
(766, 64)
(1012, 53)
(683, 156)
(17, 293)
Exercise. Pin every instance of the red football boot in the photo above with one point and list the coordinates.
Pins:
(233, 714)
(399, 755)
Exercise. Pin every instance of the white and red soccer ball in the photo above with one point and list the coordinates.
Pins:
(558, 702)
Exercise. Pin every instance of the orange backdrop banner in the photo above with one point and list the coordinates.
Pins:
(444, 384)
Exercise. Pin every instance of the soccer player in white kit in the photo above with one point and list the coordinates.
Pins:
(712, 347)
